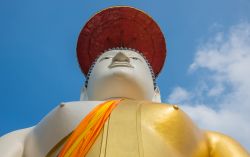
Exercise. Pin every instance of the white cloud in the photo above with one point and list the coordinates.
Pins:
(221, 100)
(179, 94)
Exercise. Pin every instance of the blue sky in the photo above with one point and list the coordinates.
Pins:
(39, 69)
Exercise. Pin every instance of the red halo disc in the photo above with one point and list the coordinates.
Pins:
(121, 26)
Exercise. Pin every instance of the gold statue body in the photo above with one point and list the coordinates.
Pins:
(147, 129)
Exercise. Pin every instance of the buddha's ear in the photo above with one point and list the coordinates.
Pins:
(157, 95)
(84, 95)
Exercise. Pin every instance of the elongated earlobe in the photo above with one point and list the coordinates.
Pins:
(157, 95)
(84, 95)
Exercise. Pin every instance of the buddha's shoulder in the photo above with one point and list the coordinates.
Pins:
(66, 115)
(57, 124)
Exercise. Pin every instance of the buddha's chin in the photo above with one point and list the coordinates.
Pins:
(119, 87)
(123, 73)
(120, 83)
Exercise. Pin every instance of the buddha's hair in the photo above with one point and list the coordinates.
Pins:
(120, 48)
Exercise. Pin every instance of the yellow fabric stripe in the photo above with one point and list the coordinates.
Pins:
(86, 132)
(90, 125)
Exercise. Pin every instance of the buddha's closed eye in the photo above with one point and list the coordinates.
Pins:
(105, 58)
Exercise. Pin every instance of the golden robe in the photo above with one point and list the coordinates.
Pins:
(148, 129)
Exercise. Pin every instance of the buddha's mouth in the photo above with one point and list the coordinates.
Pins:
(120, 64)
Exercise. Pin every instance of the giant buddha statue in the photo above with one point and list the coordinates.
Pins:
(121, 50)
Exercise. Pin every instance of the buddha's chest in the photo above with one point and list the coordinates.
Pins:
(148, 130)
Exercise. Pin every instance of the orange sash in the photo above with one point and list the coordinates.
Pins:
(87, 131)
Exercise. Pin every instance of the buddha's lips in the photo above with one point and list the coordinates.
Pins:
(120, 64)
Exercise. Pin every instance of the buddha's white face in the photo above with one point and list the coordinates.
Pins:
(120, 74)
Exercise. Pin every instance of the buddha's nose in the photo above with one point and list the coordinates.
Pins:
(120, 57)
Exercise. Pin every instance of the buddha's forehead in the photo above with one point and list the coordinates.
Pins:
(128, 53)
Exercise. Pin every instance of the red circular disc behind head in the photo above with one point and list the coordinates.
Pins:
(121, 27)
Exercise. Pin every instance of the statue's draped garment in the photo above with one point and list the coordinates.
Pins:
(146, 129)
